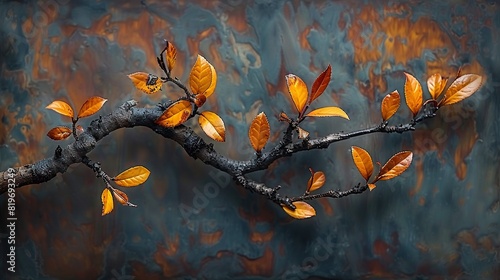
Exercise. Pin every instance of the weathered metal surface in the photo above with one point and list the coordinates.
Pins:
(439, 219)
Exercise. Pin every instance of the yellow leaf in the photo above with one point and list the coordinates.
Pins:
(413, 94)
(202, 78)
(213, 126)
(396, 165)
(59, 133)
(259, 132)
(176, 114)
(371, 186)
(121, 197)
(436, 85)
(145, 82)
(298, 91)
(320, 84)
(107, 201)
(363, 162)
(390, 105)
(91, 106)
(302, 210)
(171, 56)
(463, 87)
(132, 177)
(316, 181)
(61, 107)
(328, 112)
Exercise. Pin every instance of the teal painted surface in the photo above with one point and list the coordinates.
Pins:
(439, 219)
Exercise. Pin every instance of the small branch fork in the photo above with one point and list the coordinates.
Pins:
(128, 115)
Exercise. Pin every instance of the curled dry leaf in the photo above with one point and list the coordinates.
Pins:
(132, 177)
(213, 126)
(371, 186)
(171, 56)
(328, 112)
(59, 133)
(259, 132)
(316, 181)
(396, 165)
(390, 105)
(200, 99)
(120, 196)
(148, 83)
(61, 107)
(284, 118)
(91, 106)
(203, 77)
(436, 85)
(463, 87)
(107, 202)
(176, 114)
(363, 162)
(320, 84)
(298, 91)
(302, 210)
(413, 94)
(303, 134)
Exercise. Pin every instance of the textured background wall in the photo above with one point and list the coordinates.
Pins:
(440, 218)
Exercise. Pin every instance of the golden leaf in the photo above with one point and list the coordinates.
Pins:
(396, 165)
(59, 133)
(302, 210)
(320, 84)
(302, 133)
(390, 105)
(61, 107)
(363, 161)
(463, 87)
(213, 126)
(132, 177)
(107, 201)
(259, 132)
(171, 56)
(203, 77)
(91, 106)
(316, 181)
(298, 91)
(176, 114)
(328, 112)
(436, 85)
(371, 186)
(145, 82)
(121, 197)
(413, 94)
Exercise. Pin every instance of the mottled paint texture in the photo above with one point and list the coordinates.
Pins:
(440, 218)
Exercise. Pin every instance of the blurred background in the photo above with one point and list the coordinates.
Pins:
(440, 219)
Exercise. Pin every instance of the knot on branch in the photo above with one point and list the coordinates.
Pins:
(128, 105)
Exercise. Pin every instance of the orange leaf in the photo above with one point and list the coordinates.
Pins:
(371, 186)
(132, 177)
(202, 78)
(91, 106)
(145, 82)
(107, 201)
(390, 105)
(316, 181)
(259, 132)
(302, 133)
(328, 112)
(463, 87)
(120, 196)
(171, 56)
(302, 210)
(176, 114)
(396, 165)
(436, 85)
(213, 126)
(200, 99)
(363, 161)
(320, 83)
(298, 91)
(413, 94)
(59, 133)
(61, 107)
